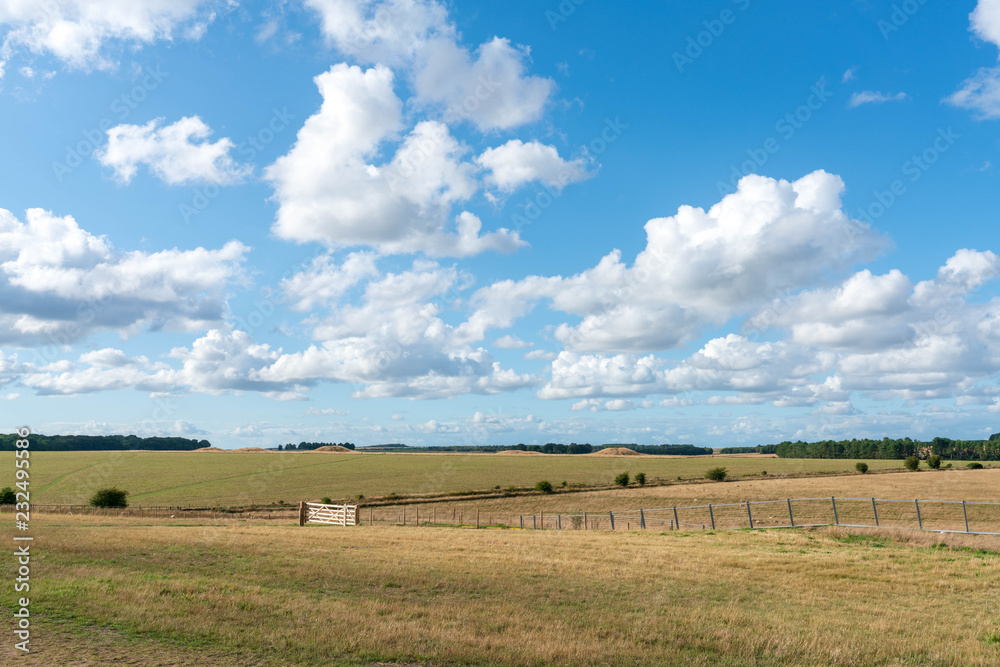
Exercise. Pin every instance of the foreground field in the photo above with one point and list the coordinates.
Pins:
(151, 593)
(210, 478)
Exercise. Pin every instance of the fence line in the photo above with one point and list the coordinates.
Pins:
(939, 516)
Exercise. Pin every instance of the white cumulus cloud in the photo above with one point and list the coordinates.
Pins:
(177, 154)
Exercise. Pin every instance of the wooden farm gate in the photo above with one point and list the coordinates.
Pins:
(337, 515)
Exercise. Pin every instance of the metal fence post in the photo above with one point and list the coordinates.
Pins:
(522, 522)
(642, 520)
(875, 512)
(612, 515)
(711, 515)
(920, 523)
(966, 515)
(791, 519)
(534, 522)
(559, 521)
(677, 522)
(836, 519)
(749, 515)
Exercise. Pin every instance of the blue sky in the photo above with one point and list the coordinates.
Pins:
(723, 223)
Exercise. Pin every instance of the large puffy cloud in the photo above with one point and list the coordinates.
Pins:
(77, 31)
(490, 88)
(329, 190)
(980, 93)
(928, 340)
(170, 153)
(390, 32)
(516, 163)
(699, 268)
(776, 371)
(59, 283)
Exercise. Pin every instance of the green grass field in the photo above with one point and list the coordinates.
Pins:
(236, 478)
(151, 593)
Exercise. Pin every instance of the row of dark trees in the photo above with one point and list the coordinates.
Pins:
(89, 443)
(303, 446)
(759, 449)
(889, 448)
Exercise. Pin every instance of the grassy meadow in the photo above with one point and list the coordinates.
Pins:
(233, 478)
(160, 592)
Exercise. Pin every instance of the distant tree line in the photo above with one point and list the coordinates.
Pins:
(759, 449)
(90, 443)
(889, 448)
(302, 446)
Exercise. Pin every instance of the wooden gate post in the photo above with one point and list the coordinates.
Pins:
(302, 513)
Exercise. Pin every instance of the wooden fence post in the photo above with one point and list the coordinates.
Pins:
(585, 521)
(642, 520)
(612, 515)
(302, 513)
(750, 515)
(711, 515)
(677, 521)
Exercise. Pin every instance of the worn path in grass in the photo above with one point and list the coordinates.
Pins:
(319, 595)
(217, 478)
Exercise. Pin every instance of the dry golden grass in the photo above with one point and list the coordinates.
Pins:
(326, 596)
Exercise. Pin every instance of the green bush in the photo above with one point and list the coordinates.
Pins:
(975, 465)
(861, 467)
(326, 500)
(717, 474)
(934, 461)
(622, 479)
(640, 478)
(7, 496)
(110, 497)
(911, 463)
(545, 486)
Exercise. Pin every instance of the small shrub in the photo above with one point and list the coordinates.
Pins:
(861, 467)
(622, 479)
(8, 496)
(975, 465)
(326, 500)
(545, 486)
(640, 478)
(717, 474)
(911, 463)
(111, 497)
(946, 466)
(564, 484)
(763, 473)
(934, 461)
(577, 520)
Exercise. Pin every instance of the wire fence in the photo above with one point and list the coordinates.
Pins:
(941, 516)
